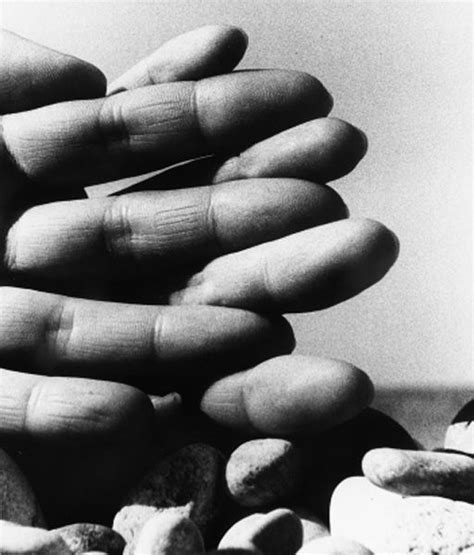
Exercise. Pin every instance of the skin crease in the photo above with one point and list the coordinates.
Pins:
(102, 432)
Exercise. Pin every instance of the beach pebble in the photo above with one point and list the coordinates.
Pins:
(313, 525)
(25, 540)
(460, 433)
(17, 501)
(386, 522)
(333, 545)
(263, 471)
(82, 537)
(333, 456)
(189, 482)
(278, 532)
(421, 472)
(169, 533)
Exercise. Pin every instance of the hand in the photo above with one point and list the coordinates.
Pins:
(256, 243)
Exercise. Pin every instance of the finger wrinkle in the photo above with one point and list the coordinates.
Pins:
(117, 230)
(59, 326)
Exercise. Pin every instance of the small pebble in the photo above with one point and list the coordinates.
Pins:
(17, 501)
(333, 545)
(82, 537)
(263, 471)
(386, 522)
(313, 525)
(188, 482)
(278, 532)
(460, 433)
(25, 540)
(421, 473)
(168, 533)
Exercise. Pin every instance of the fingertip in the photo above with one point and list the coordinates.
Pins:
(301, 395)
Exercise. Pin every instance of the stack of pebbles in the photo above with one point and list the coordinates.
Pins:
(364, 487)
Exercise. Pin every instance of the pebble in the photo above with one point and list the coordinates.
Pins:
(460, 433)
(188, 482)
(82, 537)
(168, 533)
(386, 522)
(17, 501)
(333, 456)
(313, 525)
(421, 473)
(278, 532)
(25, 540)
(333, 545)
(263, 471)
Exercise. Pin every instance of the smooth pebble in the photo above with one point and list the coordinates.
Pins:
(18, 503)
(85, 536)
(278, 532)
(460, 433)
(263, 471)
(386, 522)
(168, 533)
(421, 473)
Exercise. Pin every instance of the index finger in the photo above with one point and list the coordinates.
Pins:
(86, 142)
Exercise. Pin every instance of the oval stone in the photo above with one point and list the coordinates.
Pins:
(18, 503)
(422, 472)
(278, 532)
(386, 522)
(169, 533)
(82, 537)
(263, 471)
(188, 482)
(460, 433)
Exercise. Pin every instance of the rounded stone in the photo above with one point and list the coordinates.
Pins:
(169, 533)
(278, 532)
(263, 471)
(82, 537)
(386, 522)
(435, 473)
(18, 503)
(460, 433)
(188, 482)
(26, 540)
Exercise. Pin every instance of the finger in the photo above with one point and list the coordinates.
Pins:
(289, 395)
(68, 336)
(421, 472)
(320, 150)
(151, 233)
(86, 142)
(200, 53)
(32, 75)
(320, 267)
(83, 442)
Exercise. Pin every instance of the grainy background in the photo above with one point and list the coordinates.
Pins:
(400, 70)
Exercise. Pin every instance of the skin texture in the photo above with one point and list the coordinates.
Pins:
(63, 256)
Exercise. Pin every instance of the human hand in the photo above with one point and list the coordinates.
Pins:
(257, 125)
